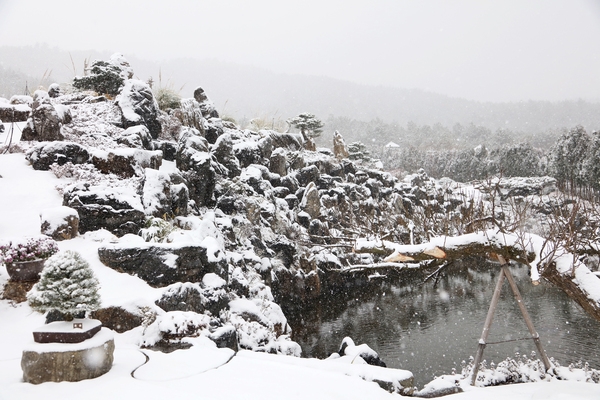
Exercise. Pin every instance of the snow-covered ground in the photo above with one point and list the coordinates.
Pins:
(203, 371)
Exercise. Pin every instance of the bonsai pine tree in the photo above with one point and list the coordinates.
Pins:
(308, 124)
(106, 77)
(67, 284)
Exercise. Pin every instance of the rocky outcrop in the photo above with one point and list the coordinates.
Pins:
(99, 209)
(138, 106)
(126, 162)
(223, 152)
(196, 297)
(45, 122)
(195, 162)
(156, 194)
(339, 146)
(72, 363)
(311, 202)
(43, 155)
(207, 106)
(163, 265)
(278, 162)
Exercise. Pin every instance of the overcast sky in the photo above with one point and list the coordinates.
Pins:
(504, 50)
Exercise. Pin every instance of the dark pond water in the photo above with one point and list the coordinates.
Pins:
(430, 328)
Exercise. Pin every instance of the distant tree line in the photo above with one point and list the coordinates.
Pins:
(377, 133)
(573, 159)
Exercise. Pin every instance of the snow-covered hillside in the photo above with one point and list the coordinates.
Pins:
(203, 235)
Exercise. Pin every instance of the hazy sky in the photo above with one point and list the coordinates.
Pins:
(501, 50)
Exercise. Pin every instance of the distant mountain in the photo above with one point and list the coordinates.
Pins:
(244, 92)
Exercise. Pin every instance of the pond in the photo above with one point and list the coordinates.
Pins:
(430, 328)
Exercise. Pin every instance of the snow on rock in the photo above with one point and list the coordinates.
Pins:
(156, 195)
(350, 352)
(138, 106)
(60, 223)
(147, 261)
(126, 162)
(213, 281)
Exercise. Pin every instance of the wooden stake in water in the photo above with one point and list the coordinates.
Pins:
(505, 272)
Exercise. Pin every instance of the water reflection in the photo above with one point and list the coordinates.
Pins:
(430, 328)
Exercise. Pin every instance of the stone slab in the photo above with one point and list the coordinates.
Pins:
(72, 362)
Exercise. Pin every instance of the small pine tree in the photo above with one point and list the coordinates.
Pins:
(358, 151)
(308, 124)
(67, 284)
(105, 78)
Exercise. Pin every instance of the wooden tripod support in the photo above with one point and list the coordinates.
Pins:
(505, 272)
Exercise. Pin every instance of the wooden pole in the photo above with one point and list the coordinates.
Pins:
(535, 336)
(504, 271)
(487, 326)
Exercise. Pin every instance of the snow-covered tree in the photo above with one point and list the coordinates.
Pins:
(308, 124)
(358, 151)
(519, 160)
(591, 164)
(106, 77)
(67, 284)
(566, 157)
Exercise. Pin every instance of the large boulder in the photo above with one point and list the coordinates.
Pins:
(43, 155)
(45, 122)
(138, 106)
(311, 201)
(119, 211)
(163, 265)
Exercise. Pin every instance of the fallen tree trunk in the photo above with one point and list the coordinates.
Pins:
(560, 267)
(475, 244)
(579, 286)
